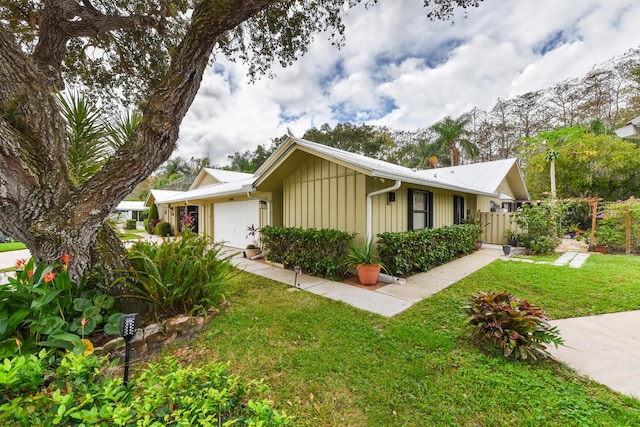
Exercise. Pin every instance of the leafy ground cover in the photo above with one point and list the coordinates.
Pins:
(330, 364)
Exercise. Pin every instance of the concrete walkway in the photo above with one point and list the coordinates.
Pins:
(388, 300)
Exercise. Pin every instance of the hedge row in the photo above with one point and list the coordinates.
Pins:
(319, 252)
(418, 250)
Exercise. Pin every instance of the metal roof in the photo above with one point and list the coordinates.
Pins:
(478, 178)
(214, 190)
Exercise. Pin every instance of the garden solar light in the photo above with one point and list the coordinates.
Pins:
(298, 270)
(128, 328)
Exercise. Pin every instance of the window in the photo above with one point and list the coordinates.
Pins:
(420, 209)
(458, 209)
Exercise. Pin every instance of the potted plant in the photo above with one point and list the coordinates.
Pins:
(252, 249)
(512, 238)
(573, 230)
(477, 221)
(366, 262)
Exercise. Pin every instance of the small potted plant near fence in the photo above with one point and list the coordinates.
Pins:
(366, 262)
(477, 221)
(512, 238)
(252, 249)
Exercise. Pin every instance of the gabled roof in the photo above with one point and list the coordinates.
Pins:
(220, 176)
(479, 178)
(484, 176)
(159, 196)
(631, 130)
(215, 190)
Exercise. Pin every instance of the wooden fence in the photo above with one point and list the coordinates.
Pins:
(496, 224)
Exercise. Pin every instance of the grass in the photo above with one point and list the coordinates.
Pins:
(330, 364)
(130, 235)
(11, 246)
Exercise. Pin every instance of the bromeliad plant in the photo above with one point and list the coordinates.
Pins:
(518, 328)
(42, 307)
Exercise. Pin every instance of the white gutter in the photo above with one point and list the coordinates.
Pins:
(267, 201)
(369, 208)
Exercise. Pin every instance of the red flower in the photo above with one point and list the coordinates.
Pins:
(21, 263)
(65, 258)
(49, 277)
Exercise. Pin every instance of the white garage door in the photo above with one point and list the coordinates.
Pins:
(230, 222)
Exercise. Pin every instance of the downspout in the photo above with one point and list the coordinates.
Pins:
(267, 201)
(369, 207)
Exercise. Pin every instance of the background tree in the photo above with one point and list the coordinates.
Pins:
(588, 164)
(453, 137)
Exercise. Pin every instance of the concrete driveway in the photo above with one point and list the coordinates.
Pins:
(605, 348)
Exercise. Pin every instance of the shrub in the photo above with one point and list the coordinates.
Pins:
(180, 276)
(42, 306)
(418, 250)
(541, 223)
(319, 252)
(519, 329)
(166, 394)
(131, 224)
(162, 228)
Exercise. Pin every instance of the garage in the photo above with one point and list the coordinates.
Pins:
(231, 219)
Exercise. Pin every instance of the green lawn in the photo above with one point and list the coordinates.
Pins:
(131, 235)
(11, 246)
(330, 364)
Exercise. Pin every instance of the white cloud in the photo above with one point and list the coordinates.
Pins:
(401, 70)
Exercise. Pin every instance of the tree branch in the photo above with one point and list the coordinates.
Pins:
(166, 107)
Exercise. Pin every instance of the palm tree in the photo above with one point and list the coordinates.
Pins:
(91, 138)
(551, 156)
(453, 138)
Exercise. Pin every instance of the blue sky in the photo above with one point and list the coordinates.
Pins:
(401, 70)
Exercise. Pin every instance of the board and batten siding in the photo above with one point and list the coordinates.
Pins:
(322, 194)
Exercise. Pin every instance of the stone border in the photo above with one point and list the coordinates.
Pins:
(155, 336)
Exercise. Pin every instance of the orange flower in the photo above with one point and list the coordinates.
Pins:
(18, 343)
(65, 258)
(49, 277)
(21, 263)
(30, 273)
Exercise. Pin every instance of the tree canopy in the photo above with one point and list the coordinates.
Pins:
(587, 164)
(152, 53)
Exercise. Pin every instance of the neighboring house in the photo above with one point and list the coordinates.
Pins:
(309, 185)
(631, 130)
(127, 209)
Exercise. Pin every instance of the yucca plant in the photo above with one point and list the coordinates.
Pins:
(518, 328)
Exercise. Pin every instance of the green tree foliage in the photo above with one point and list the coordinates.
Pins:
(453, 137)
(249, 161)
(363, 139)
(587, 164)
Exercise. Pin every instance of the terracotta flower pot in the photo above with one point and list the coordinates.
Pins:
(368, 274)
(603, 249)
